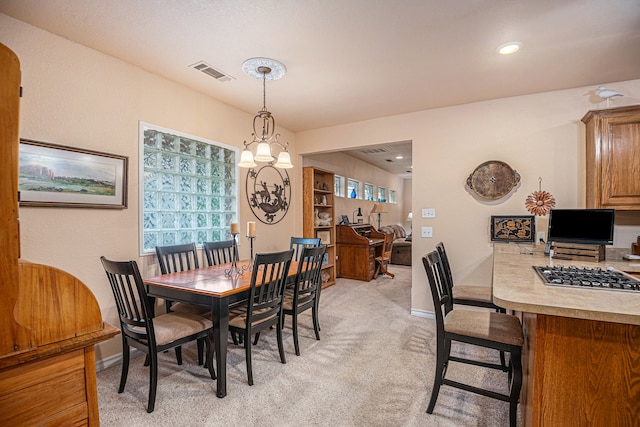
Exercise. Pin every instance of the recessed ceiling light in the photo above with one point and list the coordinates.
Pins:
(398, 157)
(509, 48)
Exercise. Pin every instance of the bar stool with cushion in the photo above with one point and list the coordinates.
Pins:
(151, 335)
(487, 329)
(302, 296)
(263, 309)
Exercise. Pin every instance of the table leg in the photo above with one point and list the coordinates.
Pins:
(220, 316)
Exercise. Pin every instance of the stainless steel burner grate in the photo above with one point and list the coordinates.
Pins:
(586, 277)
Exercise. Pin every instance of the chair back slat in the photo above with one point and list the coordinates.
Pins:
(176, 258)
(299, 243)
(220, 252)
(445, 265)
(268, 278)
(440, 293)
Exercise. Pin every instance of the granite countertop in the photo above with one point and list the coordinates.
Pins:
(517, 286)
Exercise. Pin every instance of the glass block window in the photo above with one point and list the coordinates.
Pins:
(382, 194)
(368, 191)
(338, 185)
(392, 196)
(189, 188)
(353, 189)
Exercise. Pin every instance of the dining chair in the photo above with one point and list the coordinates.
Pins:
(151, 335)
(220, 252)
(382, 261)
(489, 329)
(299, 243)
(302, 296)
(175, 258)
(264, 305)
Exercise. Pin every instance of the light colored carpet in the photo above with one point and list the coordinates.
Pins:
(373, 366)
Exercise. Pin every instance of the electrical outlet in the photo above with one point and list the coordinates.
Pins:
(428, 213)
(541, 236)
(427, 232)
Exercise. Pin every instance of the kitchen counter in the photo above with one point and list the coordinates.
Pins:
(517, 286)
(582, 346)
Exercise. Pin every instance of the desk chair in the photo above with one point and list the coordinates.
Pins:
(302, 296)
(149, 334)
(220, 252)
(487, 329)
(264, 305)
(384, 259)
(176, 258)
(299, 243)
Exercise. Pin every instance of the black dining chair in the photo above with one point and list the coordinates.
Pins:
(302, 296)
(299, 243)
(263, 309)
(488, 329)
(151, 335)
(220, 252)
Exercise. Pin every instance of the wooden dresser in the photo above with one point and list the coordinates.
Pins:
(357, 247)
(49, 320)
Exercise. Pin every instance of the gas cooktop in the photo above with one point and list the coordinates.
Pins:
(586, 277)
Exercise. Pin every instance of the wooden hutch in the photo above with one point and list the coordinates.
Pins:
(49, 320)
(358, 245)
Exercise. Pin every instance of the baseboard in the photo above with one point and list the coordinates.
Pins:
(116, 359)
(423, 313)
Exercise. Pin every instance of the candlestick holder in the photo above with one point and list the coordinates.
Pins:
(235, 271)
(251, 239)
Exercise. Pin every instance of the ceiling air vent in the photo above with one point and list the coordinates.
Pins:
(210, 71)
(374, 150)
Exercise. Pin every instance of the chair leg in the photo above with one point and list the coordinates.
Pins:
(179, 355)
(125, 366)
(280, 343)
(200, 343)
(294, 327)
(516, 385)
(247, 351)
(257, 337)
(316, 324)
(439, 375)
(209, 356)
(153, 381)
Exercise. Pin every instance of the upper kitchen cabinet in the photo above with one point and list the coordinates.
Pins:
(613, 158)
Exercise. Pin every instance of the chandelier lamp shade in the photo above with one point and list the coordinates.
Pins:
(264, 137)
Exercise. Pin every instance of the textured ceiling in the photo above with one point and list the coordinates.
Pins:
(354, 60)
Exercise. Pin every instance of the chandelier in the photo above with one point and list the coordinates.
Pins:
(264, 123)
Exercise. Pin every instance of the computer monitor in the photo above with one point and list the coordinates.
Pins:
(587, 226)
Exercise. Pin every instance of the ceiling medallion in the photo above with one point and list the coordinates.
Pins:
(540, 202)
(493, 180)
(268, 193)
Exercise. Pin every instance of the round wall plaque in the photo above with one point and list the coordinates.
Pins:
(493, 180)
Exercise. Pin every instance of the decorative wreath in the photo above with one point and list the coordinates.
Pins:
(540, 203)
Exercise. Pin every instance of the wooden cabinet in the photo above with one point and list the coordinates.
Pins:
(613, 158)
(358, 245)
(319, 217)
(49, 320)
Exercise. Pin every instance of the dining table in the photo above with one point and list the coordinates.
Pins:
(217, 287)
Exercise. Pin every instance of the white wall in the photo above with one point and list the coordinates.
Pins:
(538, 135)
(76, 96)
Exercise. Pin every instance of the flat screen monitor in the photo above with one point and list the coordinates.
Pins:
(588, 226)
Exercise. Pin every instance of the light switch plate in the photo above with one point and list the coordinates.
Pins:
(427, 232)
(428, 213)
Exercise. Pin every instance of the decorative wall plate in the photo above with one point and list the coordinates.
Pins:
(493, 180)
(268, 193)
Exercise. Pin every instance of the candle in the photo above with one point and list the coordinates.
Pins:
(234, 228)
(251, 229)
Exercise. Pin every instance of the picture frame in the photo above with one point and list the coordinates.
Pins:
(344, 220)
(55, 175)
(513, 228)
(324, 236)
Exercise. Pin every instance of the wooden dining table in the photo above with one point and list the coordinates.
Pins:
(211, 287)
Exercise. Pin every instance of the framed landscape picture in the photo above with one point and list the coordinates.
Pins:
(513, 228)
(61, 176)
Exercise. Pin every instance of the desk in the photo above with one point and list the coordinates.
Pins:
(209, 287)
(357, 247)
(582, 346)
